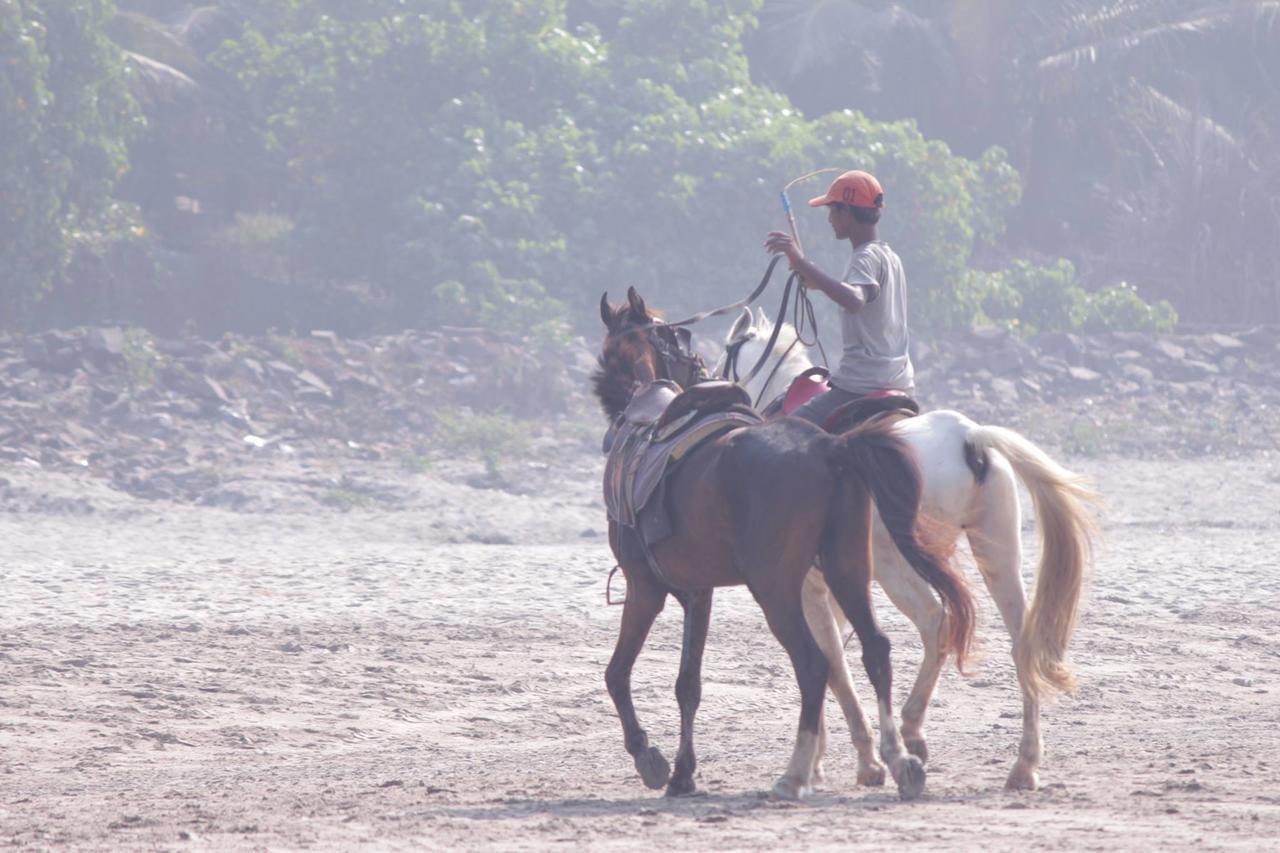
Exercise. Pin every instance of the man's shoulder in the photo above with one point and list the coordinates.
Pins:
(874, 249)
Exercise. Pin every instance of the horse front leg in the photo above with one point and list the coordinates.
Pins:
(697, 619)
(645, 600)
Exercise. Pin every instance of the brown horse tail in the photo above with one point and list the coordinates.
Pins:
(1067, 529)
(888, 467)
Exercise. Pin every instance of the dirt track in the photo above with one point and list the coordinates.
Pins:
(189, 678)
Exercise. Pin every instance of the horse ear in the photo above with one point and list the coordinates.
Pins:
(741, 326)
(762, 319)
(606, 312)
(637, 304)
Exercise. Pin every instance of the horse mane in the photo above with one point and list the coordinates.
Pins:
(612, 383)
(764, 328)
(787, 336)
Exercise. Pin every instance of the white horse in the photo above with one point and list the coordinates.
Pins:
(969, 487)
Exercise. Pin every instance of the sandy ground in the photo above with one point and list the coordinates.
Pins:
(425, 670)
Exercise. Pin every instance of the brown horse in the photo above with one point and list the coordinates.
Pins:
(756, 506)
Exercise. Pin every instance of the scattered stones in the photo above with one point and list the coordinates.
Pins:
(164, 418)
(1084, 375)
(1142, 393)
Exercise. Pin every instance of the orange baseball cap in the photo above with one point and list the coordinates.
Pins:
(855, 188)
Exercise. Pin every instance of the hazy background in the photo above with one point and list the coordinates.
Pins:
(302, 541)
(367, 165)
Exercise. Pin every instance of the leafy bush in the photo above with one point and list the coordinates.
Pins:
(1035, 298)
(1120, 308)
(141, 359)
(258, 244)
(493, 438)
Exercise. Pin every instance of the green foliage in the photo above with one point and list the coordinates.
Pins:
(1034, 298)
(258, 244)
(141, 359)
(488, 164)
(344, 499)
(65, 116)
(492, 438)
(1120, 308)
(489, 167)
(1145, 132)
(288, 350)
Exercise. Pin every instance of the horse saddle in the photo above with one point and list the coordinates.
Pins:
(660, 426)
(816, 381)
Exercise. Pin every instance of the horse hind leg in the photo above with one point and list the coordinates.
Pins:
(846, 562)
(996, 541)
(912, 595)
(697, 619)
(821, 614)
(819, 772)
(644, 602)
(783, 609)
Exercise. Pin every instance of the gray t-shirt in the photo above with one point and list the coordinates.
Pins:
(875, 338)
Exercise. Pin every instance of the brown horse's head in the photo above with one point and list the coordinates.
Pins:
(639, 348)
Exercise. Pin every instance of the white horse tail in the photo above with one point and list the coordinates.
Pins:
(1063, 502)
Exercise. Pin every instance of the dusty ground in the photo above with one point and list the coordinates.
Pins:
(424, 670)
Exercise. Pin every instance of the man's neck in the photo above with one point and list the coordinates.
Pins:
(863, 235)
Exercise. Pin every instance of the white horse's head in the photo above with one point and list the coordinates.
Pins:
(746, 342)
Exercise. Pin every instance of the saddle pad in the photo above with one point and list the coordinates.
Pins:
(651, 402)
(637, 462)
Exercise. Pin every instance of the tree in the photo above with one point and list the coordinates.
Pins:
(65, 117)
(1145, 131)
(1166, 115)
(487, 165)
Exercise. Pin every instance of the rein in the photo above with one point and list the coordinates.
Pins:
(741, 303)
(803, 313)
(682, 344)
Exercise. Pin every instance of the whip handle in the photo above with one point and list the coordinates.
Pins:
(791, 221)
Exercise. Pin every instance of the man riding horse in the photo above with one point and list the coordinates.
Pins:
(875, 371)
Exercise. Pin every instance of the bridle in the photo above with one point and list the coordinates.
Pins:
(676, 360)
(732, 350)
(802, 311)
(672, 341)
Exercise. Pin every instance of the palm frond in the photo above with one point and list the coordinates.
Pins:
(806, 34)
(206, 27)
(159, 87)
(148, 37)
(1119, 30)
(1170, 113)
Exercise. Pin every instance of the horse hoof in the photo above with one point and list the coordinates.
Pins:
(653, 768)
(681, 787)
(909, 774)
(871, 775)
(787, 788)
(1021, 779)
(917, 747)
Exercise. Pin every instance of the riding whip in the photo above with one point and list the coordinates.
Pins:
(786, 203)
(803, 311)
